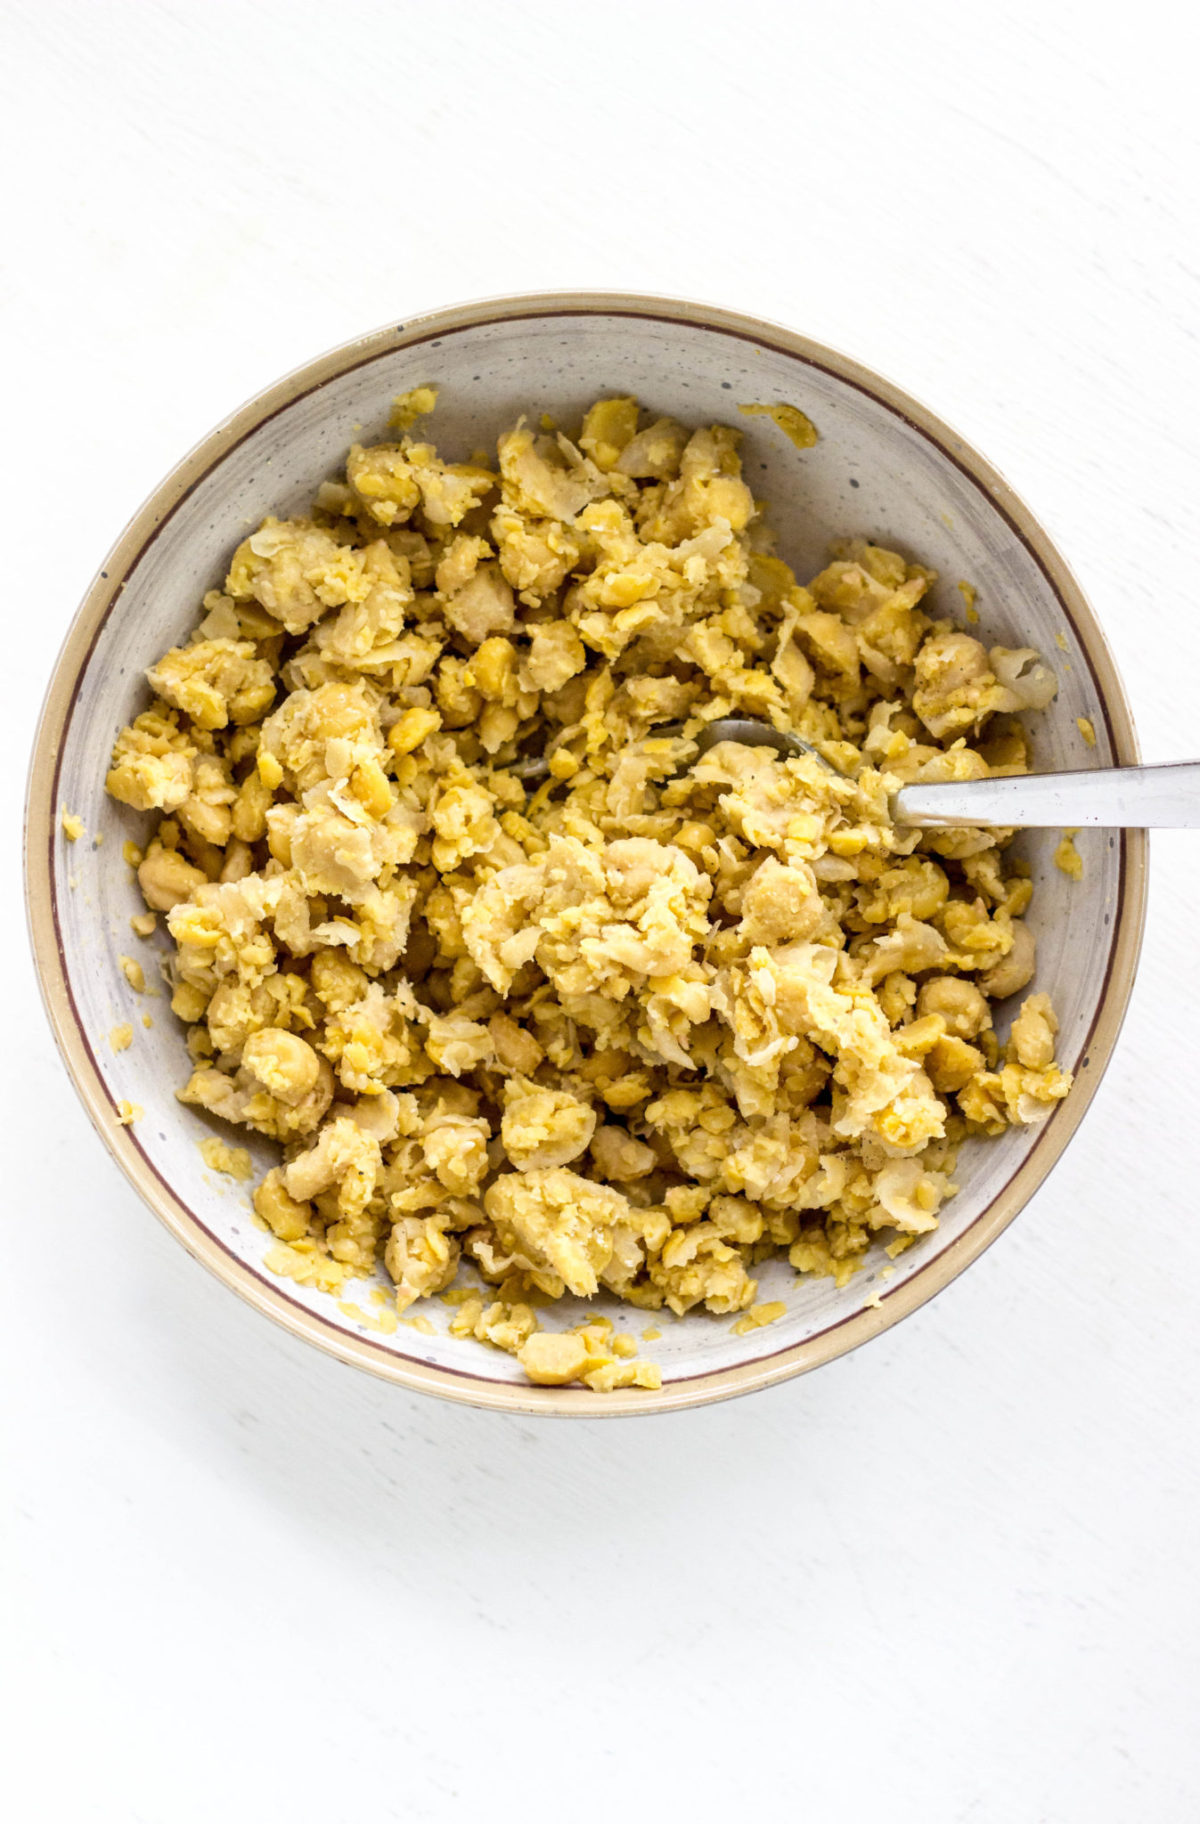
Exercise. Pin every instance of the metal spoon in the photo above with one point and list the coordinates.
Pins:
(1125, 797)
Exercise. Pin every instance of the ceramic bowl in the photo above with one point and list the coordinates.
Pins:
(884, 466)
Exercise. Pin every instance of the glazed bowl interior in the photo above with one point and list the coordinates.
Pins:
(882, 467)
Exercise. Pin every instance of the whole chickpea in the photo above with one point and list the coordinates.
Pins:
(960, 1004)
(285, 1065)
(1015, 970)
(167, 878)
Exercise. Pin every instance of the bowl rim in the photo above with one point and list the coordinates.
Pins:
(272, 1300)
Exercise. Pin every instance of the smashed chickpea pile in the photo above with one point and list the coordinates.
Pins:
(651, 1022)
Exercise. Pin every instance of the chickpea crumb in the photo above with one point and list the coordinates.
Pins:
(384, 1322)
(759, 1315)
(1087, 729)
(129, 1112)
(230, 1161)
(133, 972)
(1067, 857)
(121, 1037)
(552, 1358)
(408, 407)
(796, 426)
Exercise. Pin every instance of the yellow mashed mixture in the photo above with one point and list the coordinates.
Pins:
(644, 1025)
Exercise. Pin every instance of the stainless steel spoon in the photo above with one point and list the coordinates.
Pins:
(1115, 798)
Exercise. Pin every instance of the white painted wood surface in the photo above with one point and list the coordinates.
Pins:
(953, 1577)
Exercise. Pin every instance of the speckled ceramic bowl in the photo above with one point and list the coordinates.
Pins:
(884, 466)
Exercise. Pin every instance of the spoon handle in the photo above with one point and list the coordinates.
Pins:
(1114, 798)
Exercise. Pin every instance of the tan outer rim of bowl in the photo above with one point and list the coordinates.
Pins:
(272, 1300)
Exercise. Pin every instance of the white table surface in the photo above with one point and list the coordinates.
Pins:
(952, 1577)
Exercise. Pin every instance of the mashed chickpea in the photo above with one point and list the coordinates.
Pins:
(644, 1025)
